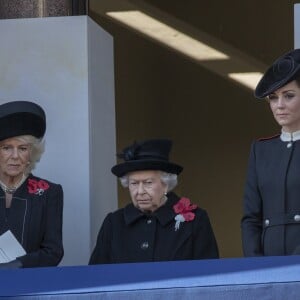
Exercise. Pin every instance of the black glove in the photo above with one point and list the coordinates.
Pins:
(14, 264)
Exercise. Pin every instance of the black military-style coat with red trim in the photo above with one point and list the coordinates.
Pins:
(271, 217)
(129, 235)
(35, 219)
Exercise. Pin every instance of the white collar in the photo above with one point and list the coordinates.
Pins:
(290, 137)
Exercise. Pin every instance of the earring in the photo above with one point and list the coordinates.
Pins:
(165, 196)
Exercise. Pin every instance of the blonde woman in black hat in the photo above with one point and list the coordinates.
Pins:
(30, 207)
(157, 225)
(271, 221)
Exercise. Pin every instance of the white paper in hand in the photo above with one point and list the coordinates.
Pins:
(10, 248)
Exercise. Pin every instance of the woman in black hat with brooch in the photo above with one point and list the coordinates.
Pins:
(271, 220)
(30, 207)
(158, 225)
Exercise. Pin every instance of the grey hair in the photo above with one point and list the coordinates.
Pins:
(169, 179)
(36, 151)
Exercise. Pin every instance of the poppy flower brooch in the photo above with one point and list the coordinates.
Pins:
(183, 208)
(37, 187)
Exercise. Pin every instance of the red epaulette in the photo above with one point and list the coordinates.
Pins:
(269, 137)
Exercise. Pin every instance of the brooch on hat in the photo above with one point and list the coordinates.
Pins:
(183, 208)
(130, 152)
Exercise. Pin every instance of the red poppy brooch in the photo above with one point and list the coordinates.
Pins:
(183, 208)
(37, 187)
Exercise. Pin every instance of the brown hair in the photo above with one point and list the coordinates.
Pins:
(297, 79)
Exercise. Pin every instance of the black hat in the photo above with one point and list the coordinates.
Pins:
(146, 155)
(282, 71)
(21, 118)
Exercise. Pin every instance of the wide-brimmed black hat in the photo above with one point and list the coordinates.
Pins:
(285, 69)
(146, 155)
(21, 118)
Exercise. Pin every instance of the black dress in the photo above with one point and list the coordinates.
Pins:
(35, 219)
(129, 235)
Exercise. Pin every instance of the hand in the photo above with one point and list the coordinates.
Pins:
(14, 264)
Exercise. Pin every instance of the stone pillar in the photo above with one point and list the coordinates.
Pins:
(69, 71)
(13, 9)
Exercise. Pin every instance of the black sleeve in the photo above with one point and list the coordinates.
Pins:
(205, 244)
(102, 250)
(252, 211)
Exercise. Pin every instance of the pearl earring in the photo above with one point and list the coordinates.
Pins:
(165, 196)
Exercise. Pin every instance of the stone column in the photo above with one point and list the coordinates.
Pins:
(13, 9)
(69, 71)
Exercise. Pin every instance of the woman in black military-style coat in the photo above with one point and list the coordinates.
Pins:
(158, 225)
(271, 218)
(30, 207)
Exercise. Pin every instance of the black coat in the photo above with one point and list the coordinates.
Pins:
(36, 221)
(270, 224)
(129, 235)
